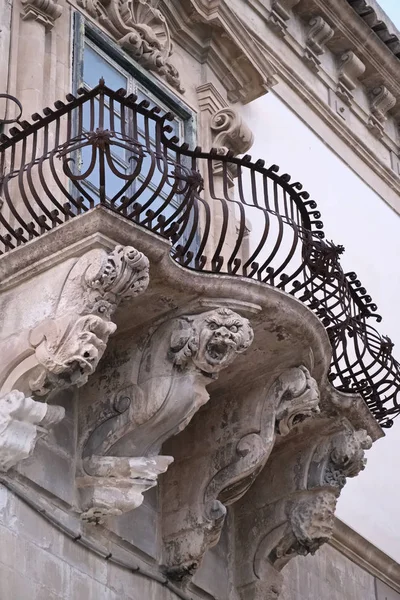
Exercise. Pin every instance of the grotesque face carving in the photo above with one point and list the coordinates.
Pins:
(299, 402)
(211, 339)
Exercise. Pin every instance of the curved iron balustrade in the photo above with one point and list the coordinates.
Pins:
(223, 214)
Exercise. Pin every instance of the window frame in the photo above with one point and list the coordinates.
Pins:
(153, 87)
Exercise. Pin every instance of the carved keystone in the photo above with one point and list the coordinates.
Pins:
(141, 29)
(22, 422)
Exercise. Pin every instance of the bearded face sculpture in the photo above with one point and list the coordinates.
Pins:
(212, 340)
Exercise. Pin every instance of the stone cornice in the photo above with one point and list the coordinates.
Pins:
(380, 157)
(214, 34)
(366, 555)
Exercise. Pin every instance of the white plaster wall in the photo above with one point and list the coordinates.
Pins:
(358, 218)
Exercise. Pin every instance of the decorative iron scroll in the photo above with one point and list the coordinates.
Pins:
(104, 147)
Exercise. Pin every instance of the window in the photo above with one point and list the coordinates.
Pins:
(96, 64)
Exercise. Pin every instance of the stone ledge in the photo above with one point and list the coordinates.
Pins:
(366, 555)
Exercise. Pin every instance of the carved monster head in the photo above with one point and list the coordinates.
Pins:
(300, 400)
(212, 339)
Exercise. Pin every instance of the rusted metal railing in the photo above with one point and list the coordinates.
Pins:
(104, 147)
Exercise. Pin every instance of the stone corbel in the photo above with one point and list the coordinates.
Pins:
(229, 464)
(141, 29)
(280, 14)
(65, 349)
(181, 358)
(381, 101)
(229, 134)
(44, 11)
(319, 34)
(22, 422)
(351, 68)
(290, 510)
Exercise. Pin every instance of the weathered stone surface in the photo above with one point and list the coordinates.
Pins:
(22, 422)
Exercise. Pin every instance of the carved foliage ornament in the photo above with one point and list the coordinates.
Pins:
(141, 29)
(69, 346)
(22, 422)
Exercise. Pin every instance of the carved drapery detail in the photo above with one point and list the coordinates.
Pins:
(381, 101)
(69, 346)
(350, 70)
(141, 29)
(280, 14)
(231, 469)
(290, 510)
(230, 132)
(181, 358)
(22, 422)
(319, 34)
(43, 11)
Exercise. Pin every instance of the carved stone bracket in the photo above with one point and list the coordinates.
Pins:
(141, 29)
(350, 70)
(230, 132)
(381, 101)
(44, 11)
(290, 509)
(229, 465)
(115, 485)
(319, 33)
(280, 14)
(69, 346)
(180, 359)
(22, 422)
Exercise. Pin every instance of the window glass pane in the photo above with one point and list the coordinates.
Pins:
(95, 66)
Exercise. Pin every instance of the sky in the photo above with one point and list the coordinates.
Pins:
(392, 9)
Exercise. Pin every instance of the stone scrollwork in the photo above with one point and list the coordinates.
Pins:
(381, 101)
(319, 34)
(141, 29)
(69, 346)
(22, 422)
(230, 132)
(231, 469)
(290, 510)
(180, 359)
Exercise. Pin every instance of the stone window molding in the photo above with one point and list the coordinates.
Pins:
(141, 29)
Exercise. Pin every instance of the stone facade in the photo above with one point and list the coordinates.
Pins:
(166, 433)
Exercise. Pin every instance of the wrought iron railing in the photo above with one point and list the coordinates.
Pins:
(223, 214)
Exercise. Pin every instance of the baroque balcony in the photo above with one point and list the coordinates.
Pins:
(243, 352)
(43, 186)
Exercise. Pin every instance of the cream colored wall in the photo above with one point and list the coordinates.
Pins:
(358, 218)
